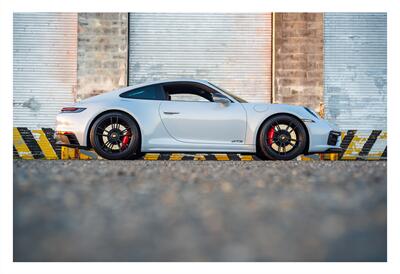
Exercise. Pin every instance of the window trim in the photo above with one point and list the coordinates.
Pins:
(159, 90)
(205, 87)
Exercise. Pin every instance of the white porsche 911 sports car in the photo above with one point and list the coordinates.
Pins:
(191, 116)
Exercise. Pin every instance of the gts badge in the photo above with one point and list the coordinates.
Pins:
(237, 141)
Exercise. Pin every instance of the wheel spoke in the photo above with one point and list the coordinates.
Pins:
(101, 133)
(297, 142)
(110, 145)
(102, 129)
(293, 128)
(105, 145)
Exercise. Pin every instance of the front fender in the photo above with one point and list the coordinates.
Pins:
(258, 115)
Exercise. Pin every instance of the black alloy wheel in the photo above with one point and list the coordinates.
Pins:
(282, 137)
(115, 136)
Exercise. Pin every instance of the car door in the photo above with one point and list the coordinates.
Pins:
(204, 122)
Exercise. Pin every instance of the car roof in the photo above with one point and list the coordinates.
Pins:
(168, 81)
(182, 80)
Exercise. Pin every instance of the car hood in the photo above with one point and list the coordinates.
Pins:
(261, 107)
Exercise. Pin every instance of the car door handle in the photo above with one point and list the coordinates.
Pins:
(170, 112)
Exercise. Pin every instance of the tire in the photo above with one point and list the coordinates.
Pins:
(115, 136)
(282, 137)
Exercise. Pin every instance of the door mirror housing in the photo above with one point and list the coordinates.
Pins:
(221, 100)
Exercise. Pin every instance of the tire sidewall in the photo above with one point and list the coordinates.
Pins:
(130, 151)
(268, 153)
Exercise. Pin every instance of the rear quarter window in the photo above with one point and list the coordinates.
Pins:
(153, 92)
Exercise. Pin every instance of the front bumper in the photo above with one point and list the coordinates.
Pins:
(333, 140)
(334, 150)
(324, 137)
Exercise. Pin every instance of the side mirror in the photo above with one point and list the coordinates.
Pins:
(221, 100)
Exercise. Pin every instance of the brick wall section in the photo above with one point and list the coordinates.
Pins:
(102, 52)
(299, 59)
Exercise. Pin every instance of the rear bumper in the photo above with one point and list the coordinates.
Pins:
(67, 139)
(76, 123)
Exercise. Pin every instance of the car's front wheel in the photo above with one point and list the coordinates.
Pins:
(282, 137)
(115, 136)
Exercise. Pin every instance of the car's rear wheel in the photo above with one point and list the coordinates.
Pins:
(282, 137)
(115, 136)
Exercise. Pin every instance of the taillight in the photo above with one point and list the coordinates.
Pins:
(72, 110)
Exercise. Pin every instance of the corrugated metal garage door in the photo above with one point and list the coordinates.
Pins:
(355, 69)
(231, 50)
(45, 47)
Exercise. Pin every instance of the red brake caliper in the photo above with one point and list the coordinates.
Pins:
(125, 139)
(270, 135)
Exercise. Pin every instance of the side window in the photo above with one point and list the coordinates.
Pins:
(188, 92)
(145, 93)
(188, 97)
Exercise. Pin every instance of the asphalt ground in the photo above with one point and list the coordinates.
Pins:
(199, 211)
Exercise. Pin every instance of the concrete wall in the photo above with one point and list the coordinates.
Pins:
(299, 59)
(102, 52)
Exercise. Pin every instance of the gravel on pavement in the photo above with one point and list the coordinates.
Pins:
(199, 210)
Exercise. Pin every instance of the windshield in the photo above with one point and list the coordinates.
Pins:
(240, 100)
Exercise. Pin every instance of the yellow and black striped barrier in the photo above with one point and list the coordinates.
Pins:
(40, 144)
(199, 157)
(362, 145)
(35, 144)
